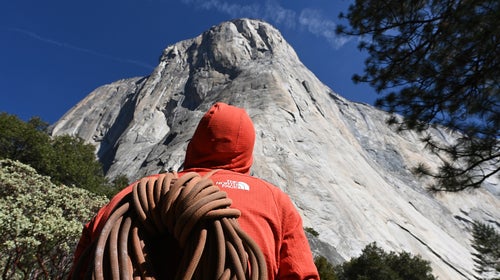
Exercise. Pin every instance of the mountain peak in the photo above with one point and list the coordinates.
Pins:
(233, 43)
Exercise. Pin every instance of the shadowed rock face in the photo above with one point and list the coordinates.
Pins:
(347, 172)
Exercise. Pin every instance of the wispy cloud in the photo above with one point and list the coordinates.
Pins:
(234, 10)
(313, 21)
(35, 36)
(279, 15)
(320, 26)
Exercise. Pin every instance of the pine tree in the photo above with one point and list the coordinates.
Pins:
(486, 241)
(437, 62)
(326, 270)
(376, 264)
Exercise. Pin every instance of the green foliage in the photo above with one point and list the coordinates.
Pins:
(375, 264)
(486, 241)
(312, 231)
(75, 163)
(65, 159)
(25, 142)
(120, 182)
(40, 223)
(437, 62)
(325, 269)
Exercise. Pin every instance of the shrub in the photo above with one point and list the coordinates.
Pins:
(65, 159)
(325, 269)
(312, 231)
(40, 223)
(375, 264)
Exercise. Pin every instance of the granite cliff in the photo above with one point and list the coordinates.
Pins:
(346, 171)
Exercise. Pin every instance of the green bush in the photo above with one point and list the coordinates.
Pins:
(376, 264)
(25, 142)
(65, 159)
(40, 222)
(75, 164)
(120, 182)
(312, 231)
(326, 270)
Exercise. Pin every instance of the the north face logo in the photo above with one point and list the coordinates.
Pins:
(230, 184)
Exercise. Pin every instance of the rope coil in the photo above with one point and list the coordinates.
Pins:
(173, 228)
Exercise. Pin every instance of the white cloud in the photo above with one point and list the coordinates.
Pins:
(311, 20)
(231, 9)
(279, 15)
(35, 36)
(320, 26)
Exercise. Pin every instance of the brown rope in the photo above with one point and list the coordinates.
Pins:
(173, 228)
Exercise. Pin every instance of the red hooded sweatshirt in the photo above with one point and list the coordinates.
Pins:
(224, 139)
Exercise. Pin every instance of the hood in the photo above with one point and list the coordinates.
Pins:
(224, 139)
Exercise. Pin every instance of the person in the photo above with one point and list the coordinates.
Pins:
(224, 140)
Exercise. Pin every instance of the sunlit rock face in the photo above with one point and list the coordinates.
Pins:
(347, 172)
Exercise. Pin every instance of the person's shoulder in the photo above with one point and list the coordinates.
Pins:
(249, 179)
(275, 190)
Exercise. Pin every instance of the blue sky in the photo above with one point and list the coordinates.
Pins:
(53, 53)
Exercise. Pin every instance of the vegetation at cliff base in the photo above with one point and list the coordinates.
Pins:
(376, 264)
(486, 242)
(40, 222)
(65, 159)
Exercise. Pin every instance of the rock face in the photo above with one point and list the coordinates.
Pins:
(346, 171)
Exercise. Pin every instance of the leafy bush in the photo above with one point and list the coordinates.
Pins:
(376, 264)
(75, 164)
(120, 182)
(326, 270)
(65, 159)
(312, 231)
(25, 142)
(40, 223)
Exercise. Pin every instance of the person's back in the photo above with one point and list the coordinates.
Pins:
(223, 141)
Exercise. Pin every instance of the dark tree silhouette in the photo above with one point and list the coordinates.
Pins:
(437, 62)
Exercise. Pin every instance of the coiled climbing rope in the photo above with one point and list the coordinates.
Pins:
(173, 228)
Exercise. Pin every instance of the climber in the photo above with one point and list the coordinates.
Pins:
(224, 141)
